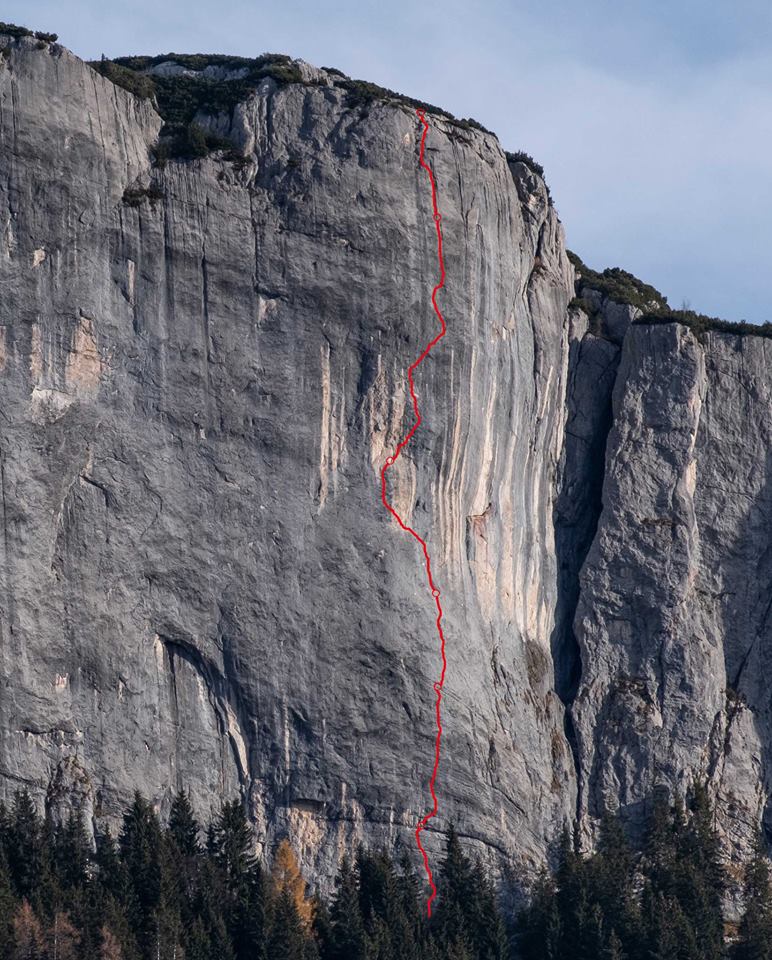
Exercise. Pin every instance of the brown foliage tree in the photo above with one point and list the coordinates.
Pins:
(286, 876)
(28, 934)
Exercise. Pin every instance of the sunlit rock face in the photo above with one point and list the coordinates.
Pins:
(202, 371)
(204, 368)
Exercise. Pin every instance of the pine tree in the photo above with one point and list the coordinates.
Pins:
(467, 918)
(455, 892)
(5, 825)
(183, 827)
(659, 847)
(539, 931)
(613, 948)
(487, 934)
(668, 933)
(573, 902)
(197, 941)
(110, 869)
(108, 898)
(7, 904)
(322, 928)
(140, 843)
(411, 942)
(168, 911)
(699, 875)
(209, 937)
(71, 853)
(674, 893)
(755, 934)
(348, 940)
(286, 933)
(378, 902)
(25, 846)
(231, 846)
(612, 880)
(389, 906)
(231, 843)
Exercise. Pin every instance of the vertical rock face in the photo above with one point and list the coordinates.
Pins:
(673, 615)
(203, 369)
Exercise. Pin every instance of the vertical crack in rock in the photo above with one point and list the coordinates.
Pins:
(222, 698)
(592, 368)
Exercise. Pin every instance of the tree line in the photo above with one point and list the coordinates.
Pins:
(181, 892)
(660, 900)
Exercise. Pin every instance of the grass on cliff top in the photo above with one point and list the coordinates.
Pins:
(622, 287)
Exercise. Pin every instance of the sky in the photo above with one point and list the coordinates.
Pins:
(653, 120)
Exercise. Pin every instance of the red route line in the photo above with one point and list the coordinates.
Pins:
(424, 821)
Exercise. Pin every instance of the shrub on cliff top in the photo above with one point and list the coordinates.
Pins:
(180, 99)
(135, 83)
(618, 285)
(701, 324)
(363, 93)
(15, 31)
(622, 287)
(520, 156)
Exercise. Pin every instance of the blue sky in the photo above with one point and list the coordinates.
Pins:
(653, 120)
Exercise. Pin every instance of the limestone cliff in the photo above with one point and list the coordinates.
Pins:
(203, 367)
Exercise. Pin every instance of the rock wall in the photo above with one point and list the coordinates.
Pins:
(673, 614)
(203, 369)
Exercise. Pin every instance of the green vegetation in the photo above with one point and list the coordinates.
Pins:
(174, 892)
(135, 83)
(363, 93)
(180, 99)
(135, 196)
(15, 31)
(618, 285)
(520, 156)
(177, 891)
(659, 900)
(701, 324)
(622, 287)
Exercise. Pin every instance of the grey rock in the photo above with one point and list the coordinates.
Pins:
(592, 369)
(673, 615)
(200, 585)
(202, 371)
(168, 68)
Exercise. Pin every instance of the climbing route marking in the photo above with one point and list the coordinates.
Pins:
(424, 821)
